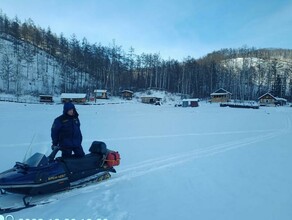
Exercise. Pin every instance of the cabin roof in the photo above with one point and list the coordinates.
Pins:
(73, 95)
(221, 91)
(190, 100)
(100, 90)
(269, 94)
(129, 91)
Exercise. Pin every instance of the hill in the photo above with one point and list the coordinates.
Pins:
(35, 61)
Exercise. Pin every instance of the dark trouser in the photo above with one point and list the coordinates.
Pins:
(67, 152)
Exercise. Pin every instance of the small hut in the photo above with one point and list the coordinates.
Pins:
(127, 94)
(190, 102)
(100, 94)
(151, 100)
(78, 98)
(46, 99)
(268, 99)
(221, 95)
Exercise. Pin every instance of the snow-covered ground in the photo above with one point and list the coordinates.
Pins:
(177, 163)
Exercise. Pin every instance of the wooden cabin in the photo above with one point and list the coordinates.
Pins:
(100, 94)
(268, 99)
(190, 102)
(220, 95)
(77, 98)
(151, 100)
(127, 94)
(46, 99)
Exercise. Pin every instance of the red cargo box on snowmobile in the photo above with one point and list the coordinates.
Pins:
(113, 159)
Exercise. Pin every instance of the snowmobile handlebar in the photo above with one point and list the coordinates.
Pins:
(55, 149)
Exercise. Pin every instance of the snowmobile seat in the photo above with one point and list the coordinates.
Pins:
(98, 147)
(79, 167)
(88, 162)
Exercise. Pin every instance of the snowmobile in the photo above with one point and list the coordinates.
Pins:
(40, 174)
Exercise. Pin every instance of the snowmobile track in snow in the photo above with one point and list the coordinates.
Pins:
(156, 164)
(149, 166)
(169, 161)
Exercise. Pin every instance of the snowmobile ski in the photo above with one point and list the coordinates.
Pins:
(19, 208)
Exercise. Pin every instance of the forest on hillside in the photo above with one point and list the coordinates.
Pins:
(34, 53)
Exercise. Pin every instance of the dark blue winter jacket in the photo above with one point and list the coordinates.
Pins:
(65, 130)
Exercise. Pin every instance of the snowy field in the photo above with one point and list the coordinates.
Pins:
(177, 163)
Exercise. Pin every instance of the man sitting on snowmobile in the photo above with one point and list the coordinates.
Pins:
(66, 134)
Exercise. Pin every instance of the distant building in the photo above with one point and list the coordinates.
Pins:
(100, 94)
(151, 100)
(46, 99)
(78, 98)
(127, 94)
(221, 95)
(190, 102)
(268, 99)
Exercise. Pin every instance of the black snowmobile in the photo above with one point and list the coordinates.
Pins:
(40, 174)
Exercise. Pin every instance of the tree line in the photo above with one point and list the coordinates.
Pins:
(246, 72)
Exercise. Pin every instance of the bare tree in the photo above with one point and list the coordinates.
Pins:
(6, 71)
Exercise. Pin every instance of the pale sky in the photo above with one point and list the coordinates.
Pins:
(174, 28)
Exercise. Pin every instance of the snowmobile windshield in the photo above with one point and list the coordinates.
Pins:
(37, 160)
(37, 151)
